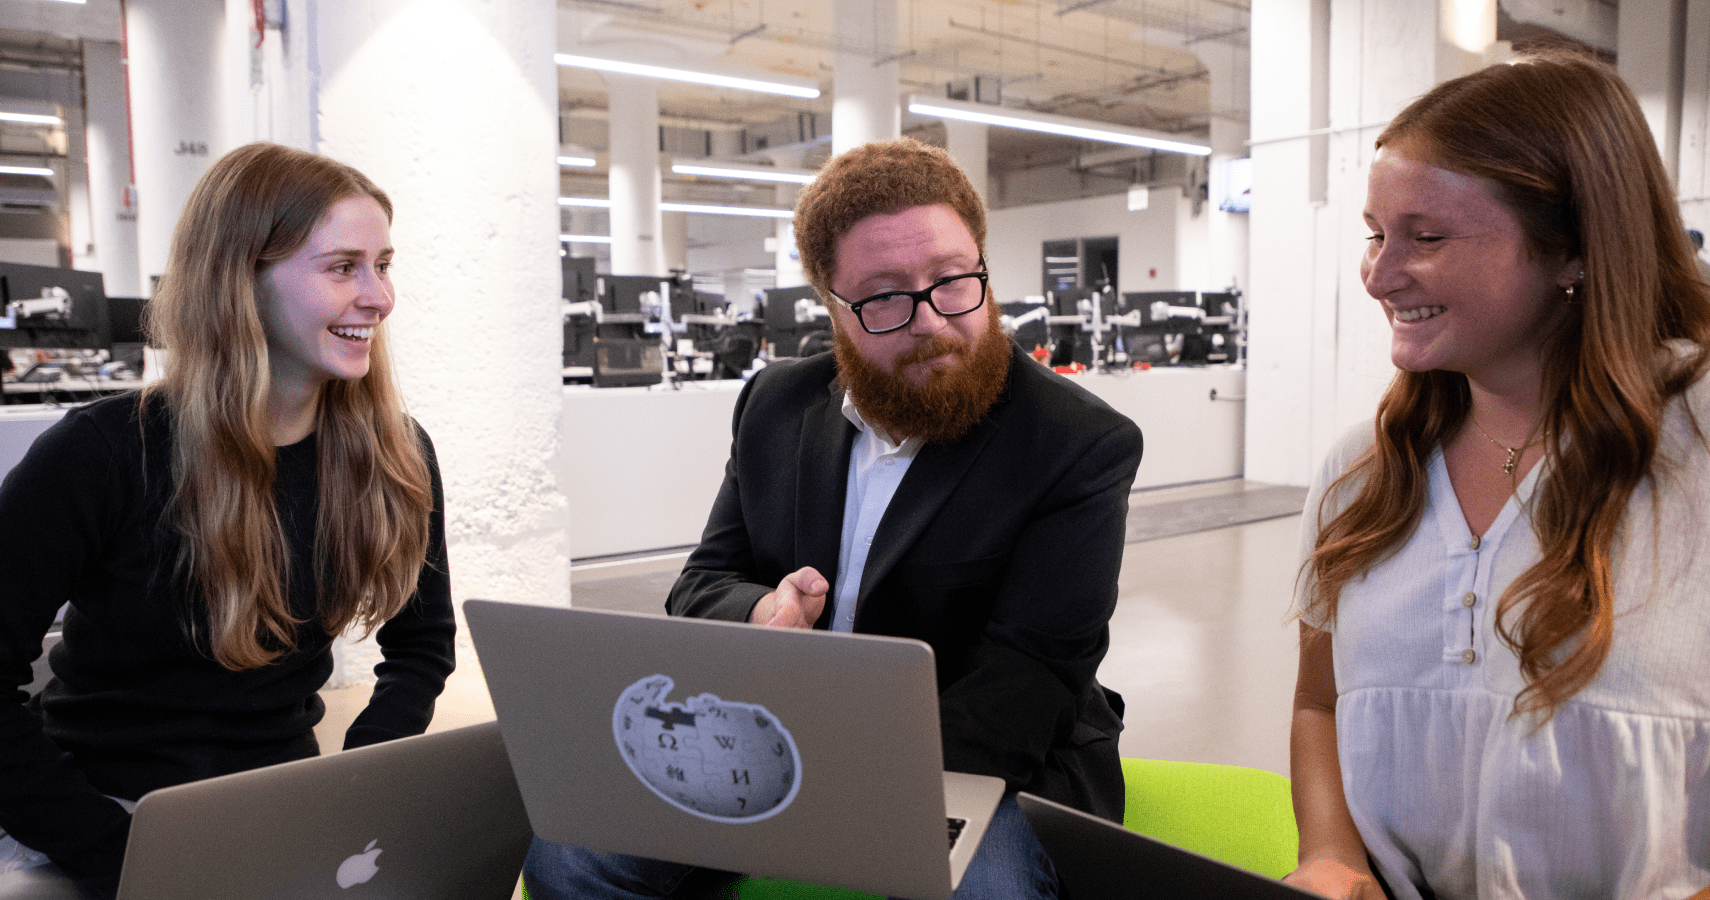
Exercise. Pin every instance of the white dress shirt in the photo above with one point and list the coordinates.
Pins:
(876, 466)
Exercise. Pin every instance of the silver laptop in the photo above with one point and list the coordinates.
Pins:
(432, 817)
(1101, 860)
(733, 746)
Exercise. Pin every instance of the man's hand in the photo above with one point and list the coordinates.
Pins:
(796, 603)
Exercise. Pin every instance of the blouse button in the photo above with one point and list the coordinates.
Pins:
(1474, 542)
(890, 462)
(1469, 599)
(1469, 656)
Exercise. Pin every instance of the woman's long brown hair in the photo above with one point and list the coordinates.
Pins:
(1571, 155)
(254, 208)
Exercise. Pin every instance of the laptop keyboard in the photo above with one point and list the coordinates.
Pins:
(956, 826)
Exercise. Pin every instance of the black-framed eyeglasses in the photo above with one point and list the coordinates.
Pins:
(954, 296)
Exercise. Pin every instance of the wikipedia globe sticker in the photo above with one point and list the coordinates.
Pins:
(718, 759)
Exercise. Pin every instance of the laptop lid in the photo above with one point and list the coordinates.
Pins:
(783, 753)
(431, 817)
(1100, 860)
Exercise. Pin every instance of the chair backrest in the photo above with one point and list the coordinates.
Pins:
(1241, 816)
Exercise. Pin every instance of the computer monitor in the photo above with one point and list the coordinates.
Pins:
(81, 326)
(785, 335)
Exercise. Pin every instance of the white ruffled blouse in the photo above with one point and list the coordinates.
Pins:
(1457, 798)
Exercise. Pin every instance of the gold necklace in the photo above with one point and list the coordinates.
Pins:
(1513, 460)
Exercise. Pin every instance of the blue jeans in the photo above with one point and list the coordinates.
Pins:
(1009, 865)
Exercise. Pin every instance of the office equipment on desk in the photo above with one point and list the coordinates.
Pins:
(732, 746)
(1100, 860)
(431, 817)
(787, 330)
(1025, 321)
(46, 306)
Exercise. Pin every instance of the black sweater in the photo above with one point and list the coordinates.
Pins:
(134, 704)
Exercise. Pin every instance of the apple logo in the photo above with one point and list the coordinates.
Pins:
(361, 867)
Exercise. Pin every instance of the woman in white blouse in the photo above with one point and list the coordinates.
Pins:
(1504, 681)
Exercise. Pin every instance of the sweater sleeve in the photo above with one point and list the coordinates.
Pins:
(417, 645)
(57, 509)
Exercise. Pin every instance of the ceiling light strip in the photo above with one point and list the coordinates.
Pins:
(579, 161)
(761, 211)
(25, 170)
(29, 118)
(745, 173)
(688, 75)
(1050, 124)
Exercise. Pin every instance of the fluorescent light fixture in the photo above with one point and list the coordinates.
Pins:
(746, 173)
(728, 210)
(26, 170)
(689, 208)
(28, 118)
(583, 239)
(583, 161)
(789, 88)
(1050, 124)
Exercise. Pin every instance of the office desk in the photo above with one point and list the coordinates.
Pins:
(641, 466)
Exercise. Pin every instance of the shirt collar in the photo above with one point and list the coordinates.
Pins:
(854, 416)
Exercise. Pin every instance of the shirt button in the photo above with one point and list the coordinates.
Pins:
(890, 462)
(1469, 600)
(1474, 542)
(1469, 656)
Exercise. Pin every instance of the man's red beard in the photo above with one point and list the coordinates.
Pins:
(954, 398)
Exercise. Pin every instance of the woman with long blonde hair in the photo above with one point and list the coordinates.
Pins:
(213, 533)
(1505, 651)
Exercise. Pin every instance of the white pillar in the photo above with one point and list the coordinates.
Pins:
(787, 261)
(966, 143)
(112, 214)
(450, 106)
(1319, 353)
(1650, 51)
(866, 100)
(173, 46)
(637, 248)
(674, 242)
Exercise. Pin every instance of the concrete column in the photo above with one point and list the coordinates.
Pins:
(174, 120)
(787, 261)
(966, 142)
(637, 248)
(1226, 232)
(674, 242)
(866, 101)
(112, 244)
(1693, 179)
(1651, 57)
(1319, 354)
(450, 106)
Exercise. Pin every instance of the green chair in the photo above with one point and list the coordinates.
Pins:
(1241, 816)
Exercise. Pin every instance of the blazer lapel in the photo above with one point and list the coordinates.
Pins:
(822, 473)
(931, 478)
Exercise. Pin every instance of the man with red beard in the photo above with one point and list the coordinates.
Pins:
(926, 480)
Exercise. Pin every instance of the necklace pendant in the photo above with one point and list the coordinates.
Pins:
(1513, 461)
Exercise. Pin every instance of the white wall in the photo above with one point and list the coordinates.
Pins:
(1149, 241)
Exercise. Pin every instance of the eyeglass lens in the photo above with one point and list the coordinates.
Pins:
(951, 296)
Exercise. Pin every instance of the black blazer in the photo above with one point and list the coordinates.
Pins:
(1001, 550)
